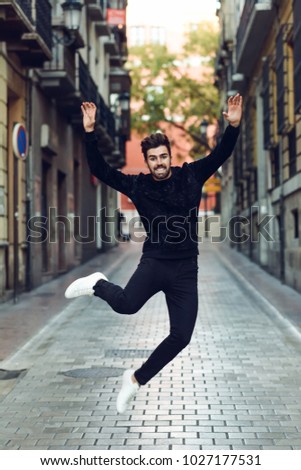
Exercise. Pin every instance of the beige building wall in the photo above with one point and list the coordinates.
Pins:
(42, 85)
(12, 110)
(281, 255)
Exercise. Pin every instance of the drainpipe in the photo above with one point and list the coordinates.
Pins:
(282, 215)
(29, 179)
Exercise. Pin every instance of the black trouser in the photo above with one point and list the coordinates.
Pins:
(178, 280)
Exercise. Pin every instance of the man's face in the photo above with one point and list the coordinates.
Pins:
(158, 162)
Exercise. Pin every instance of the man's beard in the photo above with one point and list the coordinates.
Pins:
(161, 172)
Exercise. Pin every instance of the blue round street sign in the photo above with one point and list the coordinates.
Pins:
(20, 141)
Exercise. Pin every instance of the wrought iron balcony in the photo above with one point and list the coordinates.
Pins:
(57, 77)
(111, 46)
(96, 9)
(255, 23)
(102, 28)
(69, 81)
(116, 46)
(25, 25)
(106, 118)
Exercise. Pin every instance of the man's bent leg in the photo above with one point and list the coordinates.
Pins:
(141, 286)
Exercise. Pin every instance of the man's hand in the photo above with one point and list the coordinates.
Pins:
(89, 116)
(234, 113)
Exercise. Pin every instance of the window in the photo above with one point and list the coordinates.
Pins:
(284, 73)
(295, 215)
(157, 35)
(116, 4)
(137, 35)
(250, 134)
(280, 80)
(275, 164)
(297, 54)
(193, 26)
(274, 118)
(292, 152)
(269, 98)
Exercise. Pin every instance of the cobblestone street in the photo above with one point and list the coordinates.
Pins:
(236, 386)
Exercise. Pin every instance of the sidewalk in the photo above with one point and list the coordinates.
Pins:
(237, 385)
(21, 321)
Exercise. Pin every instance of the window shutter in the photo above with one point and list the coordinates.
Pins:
(280, 81)
(266, 104)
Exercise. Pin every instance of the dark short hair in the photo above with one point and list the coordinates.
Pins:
(154, 141)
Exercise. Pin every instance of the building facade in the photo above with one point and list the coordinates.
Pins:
(53, 213)
(260, 57)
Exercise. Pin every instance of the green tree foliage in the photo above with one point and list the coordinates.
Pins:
(202, 41)
(164, 91)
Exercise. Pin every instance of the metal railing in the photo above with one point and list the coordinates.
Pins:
(106, 116)
(117, 38)
(26, 6)
(43, 21)
(244, 22)
(84, 78)
(62, 59)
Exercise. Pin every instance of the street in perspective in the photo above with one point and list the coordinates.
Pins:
(236, 386)
(150, 230)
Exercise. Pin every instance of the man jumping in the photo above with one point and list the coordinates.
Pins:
(167, 200)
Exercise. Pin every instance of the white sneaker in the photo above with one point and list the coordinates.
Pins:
(83, 285)
(127, 392)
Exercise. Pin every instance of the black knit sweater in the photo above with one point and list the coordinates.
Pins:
(168, 208)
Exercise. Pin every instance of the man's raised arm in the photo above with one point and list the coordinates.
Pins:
(97, 164)
(207, 166)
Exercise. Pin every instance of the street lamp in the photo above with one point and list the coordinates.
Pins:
(72, 16)
(124, 100)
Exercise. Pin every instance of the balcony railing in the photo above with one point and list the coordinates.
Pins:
(83, 79)
(255, 22)
(57, 77)
(106, 116)
(96, 9)
(26, 6)
(86, 90)
(43, 21)
(25, 25)
(101, 3)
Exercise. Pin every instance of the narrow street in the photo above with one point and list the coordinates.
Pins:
(236, 386)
